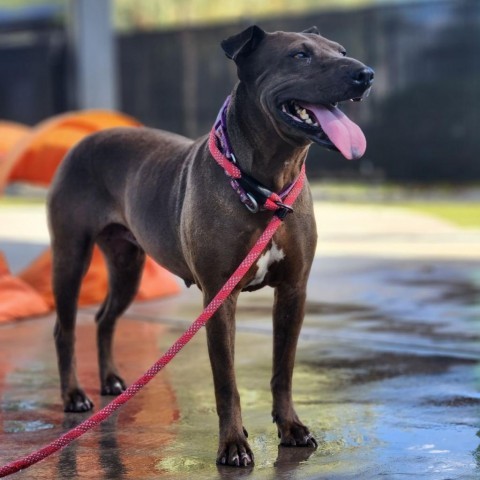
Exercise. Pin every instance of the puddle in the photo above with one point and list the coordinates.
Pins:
(19, 426)
(445, 283)
(455, 401)
(19, 406)
(458, 291)
(386, 378)
(263, 307)
(377, 367)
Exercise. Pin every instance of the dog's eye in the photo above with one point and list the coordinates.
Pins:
(343, 52)
(300, 55)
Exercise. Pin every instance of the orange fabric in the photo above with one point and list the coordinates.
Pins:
(10, 134)
(156, 281)
(35, 158)
(17, 298)
(4, 270)
(39, 162)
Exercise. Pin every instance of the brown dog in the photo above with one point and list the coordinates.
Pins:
(138, 190)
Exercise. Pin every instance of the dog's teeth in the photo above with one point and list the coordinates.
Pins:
(302, 115)
(305, 116)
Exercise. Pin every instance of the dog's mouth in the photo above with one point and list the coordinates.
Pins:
(326, 125)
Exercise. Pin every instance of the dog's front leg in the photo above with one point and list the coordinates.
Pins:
(233, 447)
(289, 310)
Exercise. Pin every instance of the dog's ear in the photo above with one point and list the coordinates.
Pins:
(312, 30)
(243, 43)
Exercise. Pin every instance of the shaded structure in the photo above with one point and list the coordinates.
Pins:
(420, 120)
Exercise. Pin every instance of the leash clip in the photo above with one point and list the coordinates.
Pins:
(251, 204)
(283, 210)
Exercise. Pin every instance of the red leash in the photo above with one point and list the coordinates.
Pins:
(131, 391)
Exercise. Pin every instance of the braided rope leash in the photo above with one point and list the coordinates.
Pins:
(131, 391)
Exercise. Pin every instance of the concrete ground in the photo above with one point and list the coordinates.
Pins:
(387, 371)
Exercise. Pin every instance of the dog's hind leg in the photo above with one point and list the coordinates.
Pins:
(71, 257)
(125, 261)
(287, 321)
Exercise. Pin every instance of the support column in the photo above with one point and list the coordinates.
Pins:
(93, 47)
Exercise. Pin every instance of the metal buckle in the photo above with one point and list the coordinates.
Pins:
(283, 210)
(254, 204)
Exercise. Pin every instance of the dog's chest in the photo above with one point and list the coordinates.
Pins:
(267, 259)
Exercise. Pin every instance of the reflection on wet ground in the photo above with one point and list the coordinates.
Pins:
(387, 379)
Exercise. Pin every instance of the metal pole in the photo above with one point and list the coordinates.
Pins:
(93, 49)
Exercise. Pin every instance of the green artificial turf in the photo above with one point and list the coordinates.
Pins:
(461, 214)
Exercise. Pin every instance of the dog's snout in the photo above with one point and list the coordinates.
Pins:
(363, 76)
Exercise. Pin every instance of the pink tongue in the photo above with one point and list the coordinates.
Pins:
(342, 132)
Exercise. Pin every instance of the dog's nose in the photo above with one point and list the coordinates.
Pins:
(363, 77)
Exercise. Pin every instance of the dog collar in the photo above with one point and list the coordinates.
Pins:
(255, 196)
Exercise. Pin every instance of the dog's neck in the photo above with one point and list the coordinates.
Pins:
(260, 151)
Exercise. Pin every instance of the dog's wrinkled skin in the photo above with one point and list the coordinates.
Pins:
(136, 191)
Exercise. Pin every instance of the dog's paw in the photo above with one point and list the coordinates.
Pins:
(235, 453)
(113, 385)
(296, 434)
(77, 401)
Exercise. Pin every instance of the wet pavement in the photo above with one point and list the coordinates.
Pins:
(387, 374)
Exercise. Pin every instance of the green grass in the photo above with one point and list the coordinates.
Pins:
(10, 201)
(461, 214)
(441, 201)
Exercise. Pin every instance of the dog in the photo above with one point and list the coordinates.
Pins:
(138, 191)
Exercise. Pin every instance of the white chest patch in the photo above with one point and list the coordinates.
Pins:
(268, 258)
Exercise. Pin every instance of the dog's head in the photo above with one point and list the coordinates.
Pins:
(298, 80)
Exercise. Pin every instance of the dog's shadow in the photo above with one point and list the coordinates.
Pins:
(288, 460)
(108, 453)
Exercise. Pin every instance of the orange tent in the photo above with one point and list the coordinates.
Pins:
(36, 156)
(32, 156)
(156, 281)
(18, 297)
(10, 134)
